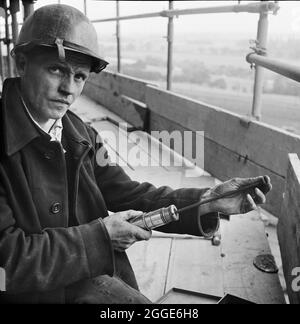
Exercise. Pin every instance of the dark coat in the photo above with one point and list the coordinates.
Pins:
(51, 202)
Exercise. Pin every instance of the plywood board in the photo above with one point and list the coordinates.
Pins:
(151, 267)
(196, 265)
(289, 229)
(244, 238)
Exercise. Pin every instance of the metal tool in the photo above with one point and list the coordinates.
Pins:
(216, 239)
(170, 214)
(260, 183)
(156, 218)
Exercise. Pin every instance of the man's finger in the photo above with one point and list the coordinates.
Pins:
(260, 197)
(251, 202)
(247, 181)
(265, 185)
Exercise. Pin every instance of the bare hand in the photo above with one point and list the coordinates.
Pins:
(122, 233)
(240, 203)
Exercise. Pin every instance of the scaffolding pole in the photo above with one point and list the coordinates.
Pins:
(85, 7)
(262, 7)
(15, 27)
(28, 8)
(1, 60)
(118, 37)
(170, 38)
(262, 38)
(7, 40)
(285, 69)
(14, 9)
(249, 8)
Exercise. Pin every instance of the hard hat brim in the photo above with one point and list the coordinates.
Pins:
(98, 63)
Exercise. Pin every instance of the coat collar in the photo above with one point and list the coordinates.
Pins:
(19, 130)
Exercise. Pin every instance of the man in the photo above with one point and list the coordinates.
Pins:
(57, 242)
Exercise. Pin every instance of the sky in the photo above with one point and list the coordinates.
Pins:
(285, 23)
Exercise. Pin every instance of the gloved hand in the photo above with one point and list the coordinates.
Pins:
(240, 203)
(122, 233)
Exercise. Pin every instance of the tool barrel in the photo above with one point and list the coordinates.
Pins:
(157, 218)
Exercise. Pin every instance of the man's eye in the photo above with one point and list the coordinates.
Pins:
(80, 77)
(55, 70)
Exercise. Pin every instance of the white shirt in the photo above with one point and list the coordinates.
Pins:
(55, 131)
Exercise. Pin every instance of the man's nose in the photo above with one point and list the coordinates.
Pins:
(67, 85)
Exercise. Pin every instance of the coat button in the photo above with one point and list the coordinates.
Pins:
(49, 155)
(55, 208)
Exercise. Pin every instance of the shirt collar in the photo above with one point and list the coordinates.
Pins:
(56, 129)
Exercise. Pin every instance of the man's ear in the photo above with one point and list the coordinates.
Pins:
(21, 63)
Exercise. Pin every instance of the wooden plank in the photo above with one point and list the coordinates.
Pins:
(130, 110)
(127, 145)
(259, 141)
(88, 110)
(225, 164)
(150, 266)
(181, 173)
(178, 177)
(190, 144)
(244, 238)
(196, 265)
(116, 143)
(162, 155)
(289, 227)
(120, 84)
(185, 176)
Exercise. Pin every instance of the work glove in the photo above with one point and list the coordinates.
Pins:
(240, 203)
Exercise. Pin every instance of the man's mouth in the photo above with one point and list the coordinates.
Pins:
(64, 102)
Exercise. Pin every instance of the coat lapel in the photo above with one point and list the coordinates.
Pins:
(18, 129)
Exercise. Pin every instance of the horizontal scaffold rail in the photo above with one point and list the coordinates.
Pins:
(248, 8)
(288, 70)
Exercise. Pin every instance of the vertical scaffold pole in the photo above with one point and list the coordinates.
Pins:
(85, 7)
(28, 7)
(262, 38)
(14, 9)
(3, 76)
(170, 48)
(118, 37)
(7, 40)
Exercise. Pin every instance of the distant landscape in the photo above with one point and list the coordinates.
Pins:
(214, 70)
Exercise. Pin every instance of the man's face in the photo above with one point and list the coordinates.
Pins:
(50, 86)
